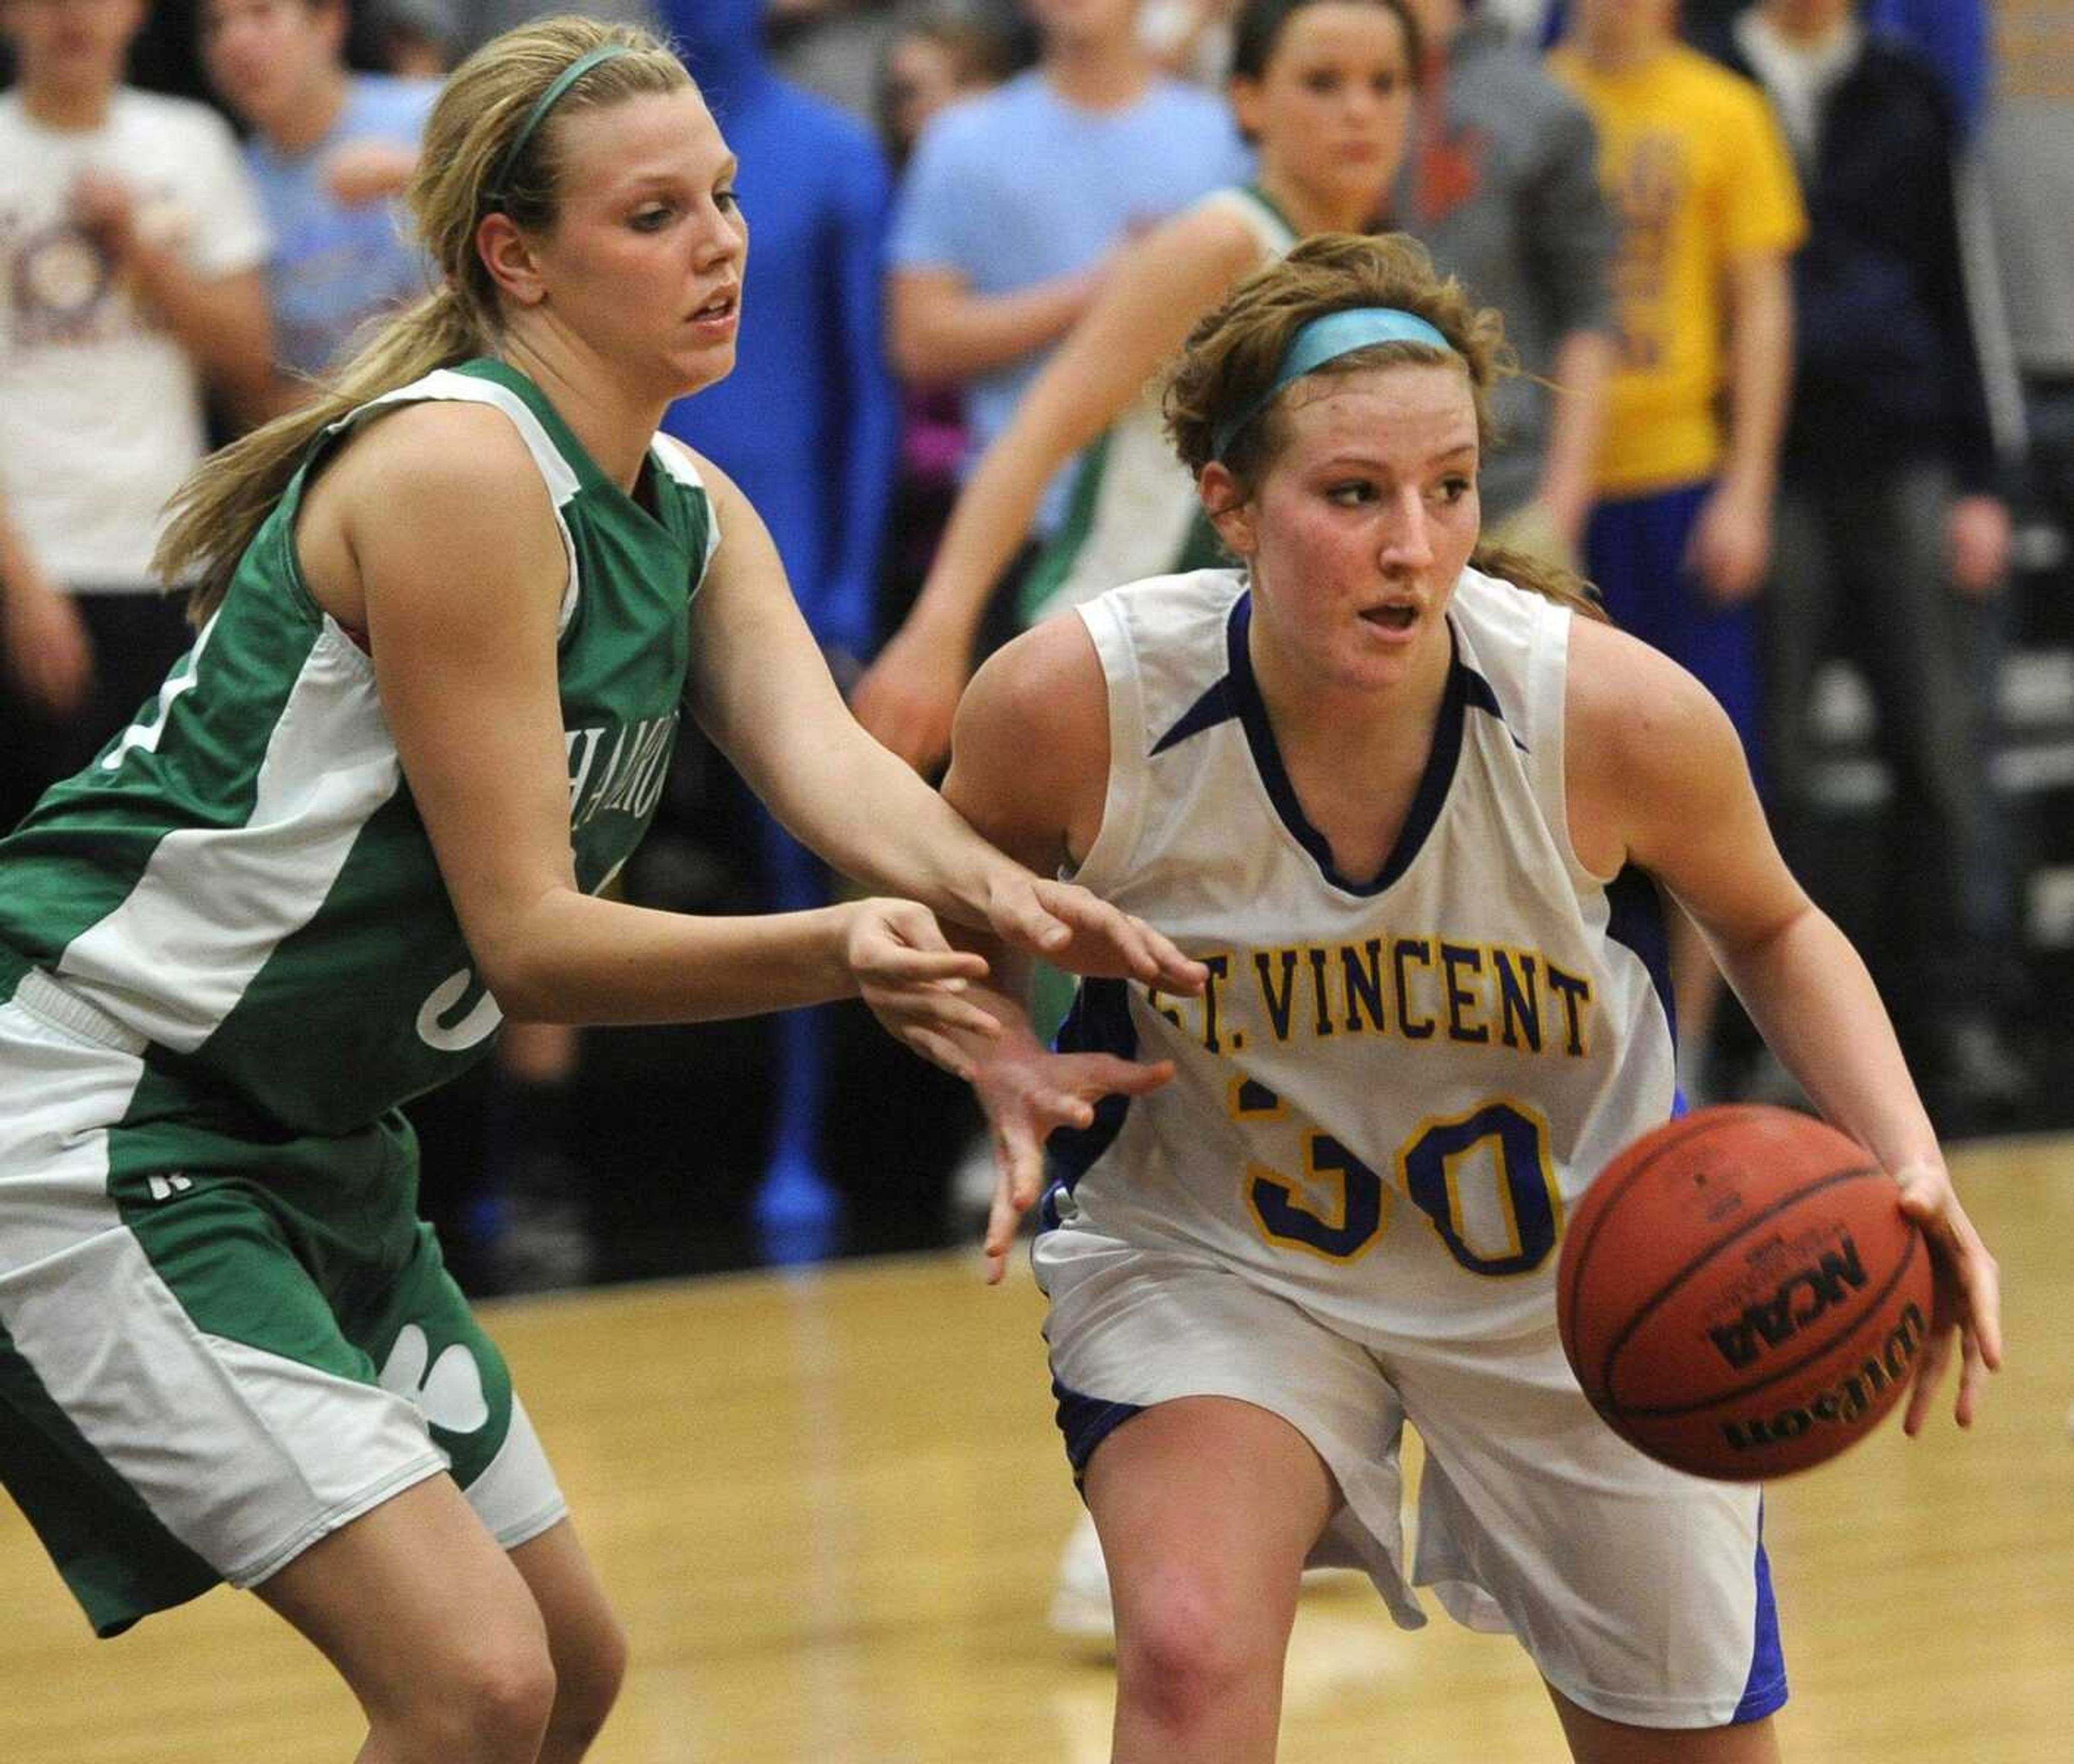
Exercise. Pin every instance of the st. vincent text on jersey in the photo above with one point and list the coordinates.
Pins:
(1416, 988)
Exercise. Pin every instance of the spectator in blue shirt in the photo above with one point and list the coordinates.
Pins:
(1015, 200)
(329, 150)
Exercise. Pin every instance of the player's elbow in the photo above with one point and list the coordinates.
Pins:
(523, 960)
(524, 988)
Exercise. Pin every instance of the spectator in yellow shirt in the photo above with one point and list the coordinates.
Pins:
(1679, 538)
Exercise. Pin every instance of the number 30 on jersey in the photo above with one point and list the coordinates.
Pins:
(1485, 1181)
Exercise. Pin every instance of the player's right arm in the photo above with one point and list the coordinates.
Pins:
(433, 533)
(1030, 771)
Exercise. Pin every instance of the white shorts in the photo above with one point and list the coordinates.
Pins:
(219, 1343)
(1642, 1594)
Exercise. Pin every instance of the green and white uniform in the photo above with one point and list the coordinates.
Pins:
(226, 956)
(1134, 511)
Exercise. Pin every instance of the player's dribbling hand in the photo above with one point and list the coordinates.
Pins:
(1065, 925)
(1967, 1302)
(915, 982)
(1027, 1091)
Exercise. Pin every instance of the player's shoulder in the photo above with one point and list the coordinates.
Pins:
(1041, 680)
(1645, 746)
(1218, 235)
(453, 448)
(1032, 729)
(1630, 707)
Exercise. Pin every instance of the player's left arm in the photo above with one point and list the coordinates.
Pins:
(1656, 777)
(761, 688)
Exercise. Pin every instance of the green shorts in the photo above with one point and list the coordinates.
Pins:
(221, 1340)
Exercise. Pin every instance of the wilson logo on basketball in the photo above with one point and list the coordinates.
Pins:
(1844, 1401)
(1802, 1297)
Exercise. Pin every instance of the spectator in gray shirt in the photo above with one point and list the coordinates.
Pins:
(1502, 184)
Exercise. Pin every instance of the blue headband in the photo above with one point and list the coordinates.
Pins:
(1326, 339)
(500, 185)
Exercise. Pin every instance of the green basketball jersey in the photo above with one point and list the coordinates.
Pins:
(241, 879)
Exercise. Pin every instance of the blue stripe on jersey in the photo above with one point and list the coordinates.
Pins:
(1098, 1023)
(1477, 694)
(1433, 785)
(1636, 920)
(1216, 706)
(1766, 1688)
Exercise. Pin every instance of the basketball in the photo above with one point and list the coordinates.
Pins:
(1740, 1295)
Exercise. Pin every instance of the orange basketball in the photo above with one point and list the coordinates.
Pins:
(1740, 1295)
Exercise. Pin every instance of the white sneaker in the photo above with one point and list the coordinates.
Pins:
(1081, 1607)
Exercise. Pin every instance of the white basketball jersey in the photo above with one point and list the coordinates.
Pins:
(1395, 1088)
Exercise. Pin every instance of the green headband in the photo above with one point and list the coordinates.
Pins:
(499, 186)
(1326, 339)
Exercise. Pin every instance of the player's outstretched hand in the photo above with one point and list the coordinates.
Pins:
(915, 982)
(1083, 934)
(1968, 1301)
(1027, 1091)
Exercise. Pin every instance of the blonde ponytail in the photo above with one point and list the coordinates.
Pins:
(223, 504)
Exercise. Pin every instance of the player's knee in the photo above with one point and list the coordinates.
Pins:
(1189, 1647)
(491, 1702)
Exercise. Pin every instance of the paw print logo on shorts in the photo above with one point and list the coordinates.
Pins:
(450, 1395)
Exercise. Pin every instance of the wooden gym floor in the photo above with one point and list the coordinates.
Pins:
(829, 1507)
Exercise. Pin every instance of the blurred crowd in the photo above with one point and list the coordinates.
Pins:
(1791, 282)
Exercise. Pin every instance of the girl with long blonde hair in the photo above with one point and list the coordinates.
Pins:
(448, 615)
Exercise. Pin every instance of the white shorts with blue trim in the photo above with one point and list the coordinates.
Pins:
(1642, 1594)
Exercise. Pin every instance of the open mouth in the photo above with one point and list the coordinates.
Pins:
(1398, 616)
(721, 306)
